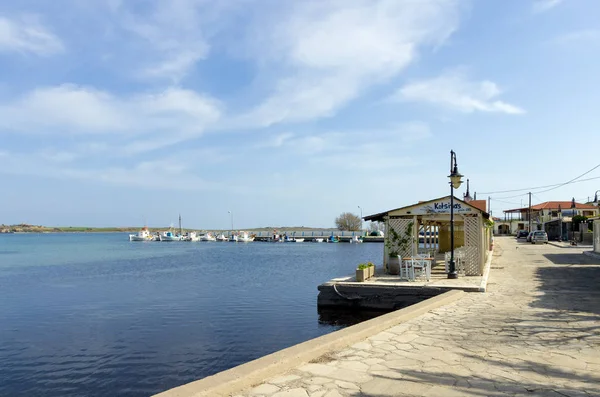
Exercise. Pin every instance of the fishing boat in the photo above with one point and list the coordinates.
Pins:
(244, 237)
(191, 236)
(318, 240)
(142, 235)
(170, 236)
(221, 237)
(233, 238)
(356, 240)
(299, 240)
(333, 239)
(208, 237)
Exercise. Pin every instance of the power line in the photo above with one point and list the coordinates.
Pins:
(572, 180)
(543, 187)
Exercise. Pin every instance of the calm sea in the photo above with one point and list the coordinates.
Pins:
(97, 315)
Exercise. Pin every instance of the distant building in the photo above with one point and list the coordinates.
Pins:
(552, 216)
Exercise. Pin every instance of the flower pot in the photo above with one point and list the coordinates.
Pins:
(371, 271)
(362, 274)
(394, 265)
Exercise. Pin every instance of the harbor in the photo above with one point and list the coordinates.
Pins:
(531, 334)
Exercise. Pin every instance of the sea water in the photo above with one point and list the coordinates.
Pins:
(96, 315)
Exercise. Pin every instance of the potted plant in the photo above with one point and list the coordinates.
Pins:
(362, 272)
(396, 245)
(371, 267)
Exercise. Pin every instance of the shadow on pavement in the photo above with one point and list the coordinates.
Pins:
(496, 378)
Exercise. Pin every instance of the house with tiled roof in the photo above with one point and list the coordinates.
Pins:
(553, 216)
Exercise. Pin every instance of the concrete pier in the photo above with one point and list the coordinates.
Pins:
(388, 292)
(535, 333)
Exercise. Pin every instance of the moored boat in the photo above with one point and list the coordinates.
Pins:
(191, 236)
(356, 240)
(169, 236)
(208, 237)
(244, 237)
(318, 240)
(221, 237)
(142, 235)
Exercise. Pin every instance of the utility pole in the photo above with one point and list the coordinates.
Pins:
(489, 209)
(529, 212)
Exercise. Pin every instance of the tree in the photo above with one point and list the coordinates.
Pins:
(348, 221)
(376, 227)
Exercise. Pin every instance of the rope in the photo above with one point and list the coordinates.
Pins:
(356, 297)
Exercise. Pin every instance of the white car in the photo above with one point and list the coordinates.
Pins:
(539, 236)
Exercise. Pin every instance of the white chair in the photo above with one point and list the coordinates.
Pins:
(405, 268)
(418, 267)
(422, 267)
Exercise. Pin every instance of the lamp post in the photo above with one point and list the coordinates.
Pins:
(361, 223)
(455, 182)
(596, 197)
(231, 213)
(573, 207)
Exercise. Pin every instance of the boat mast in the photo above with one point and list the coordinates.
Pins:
(180, 231)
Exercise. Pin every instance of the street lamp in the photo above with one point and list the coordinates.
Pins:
(455, 182)
(573, 206)
(231, 213)
(361, 224)
(596, 196)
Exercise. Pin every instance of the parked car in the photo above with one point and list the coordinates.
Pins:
(522, 233)
(539, 236)
(529, 236)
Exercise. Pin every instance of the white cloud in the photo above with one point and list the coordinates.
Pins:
(174, 30)
(28, 35)
(333, 51)
(545, 5)
(174, 112)
(455, 91)
(162, 174)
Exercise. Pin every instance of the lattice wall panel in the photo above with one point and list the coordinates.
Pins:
(472, 242)
(400, 226)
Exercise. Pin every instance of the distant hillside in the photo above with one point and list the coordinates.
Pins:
(26, 228)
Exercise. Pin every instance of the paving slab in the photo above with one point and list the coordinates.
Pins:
(535, 332)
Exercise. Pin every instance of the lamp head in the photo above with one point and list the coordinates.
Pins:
(455, 178)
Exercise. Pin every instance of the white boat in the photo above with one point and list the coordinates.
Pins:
(221, 237)
(142, 235)
(356, 239)
(208, 237)
(233, 238)
(318, 240)
(244, 237)
(191, 236)
(169, 236)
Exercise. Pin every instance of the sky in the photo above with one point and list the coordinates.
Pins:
(287, 113)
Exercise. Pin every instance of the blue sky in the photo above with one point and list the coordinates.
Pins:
(116, 112)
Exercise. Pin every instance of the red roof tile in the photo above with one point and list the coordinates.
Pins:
(553, 205)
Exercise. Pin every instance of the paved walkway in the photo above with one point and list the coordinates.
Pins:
(536, 332)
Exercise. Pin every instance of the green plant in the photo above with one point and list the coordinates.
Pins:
(396, 243)
(370, 264)
(362, 266)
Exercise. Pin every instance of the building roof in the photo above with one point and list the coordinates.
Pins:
(476, 204)
(553, 205)
(479, 204)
